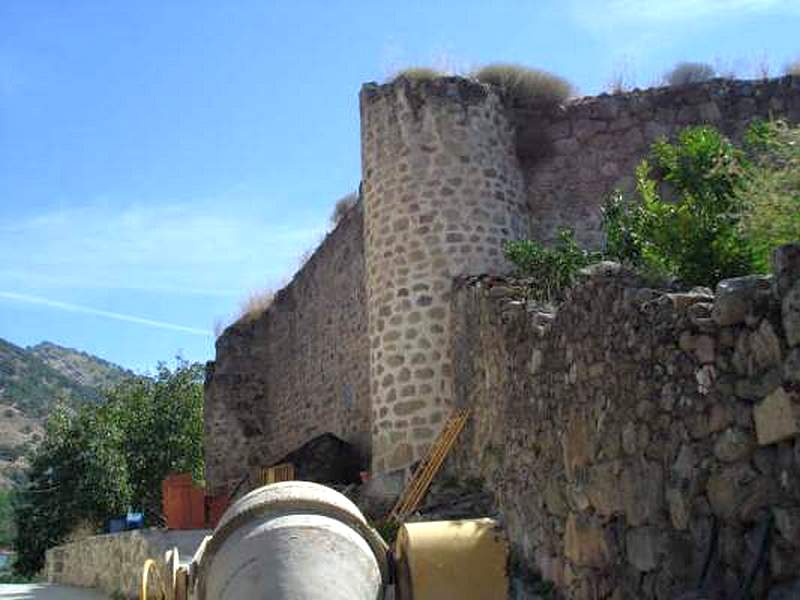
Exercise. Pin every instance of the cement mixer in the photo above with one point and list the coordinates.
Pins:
(298, 540)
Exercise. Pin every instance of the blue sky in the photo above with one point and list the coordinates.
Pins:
(160, 160)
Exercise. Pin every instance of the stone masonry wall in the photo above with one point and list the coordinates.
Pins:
(575, 154)
(298, 370)
(442, 192)
(113, 563)
(636, 435)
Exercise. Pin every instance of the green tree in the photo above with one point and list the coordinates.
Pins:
(96, 462)
(77, 475)
(683, 224)
(161, 420)
(770, 194)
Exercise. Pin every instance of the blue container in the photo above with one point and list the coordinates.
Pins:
(116, 525)
(134, 520)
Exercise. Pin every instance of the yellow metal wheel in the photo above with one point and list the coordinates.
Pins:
(145, 593)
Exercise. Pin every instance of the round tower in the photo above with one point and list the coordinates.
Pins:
(442, 191)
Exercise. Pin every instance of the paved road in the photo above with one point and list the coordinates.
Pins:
(46, 591)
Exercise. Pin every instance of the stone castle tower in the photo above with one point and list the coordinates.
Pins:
(442, 191)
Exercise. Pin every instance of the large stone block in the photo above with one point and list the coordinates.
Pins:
(734, 297)
(777, 417)
(585, 542)
(790, 312)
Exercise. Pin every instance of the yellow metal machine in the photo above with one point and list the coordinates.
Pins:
(298, 540)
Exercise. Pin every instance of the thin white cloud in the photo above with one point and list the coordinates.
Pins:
(213, 248)
(87, 310)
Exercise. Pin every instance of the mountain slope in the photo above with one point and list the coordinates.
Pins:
(31, 385)
(83, 368)
(31, 381)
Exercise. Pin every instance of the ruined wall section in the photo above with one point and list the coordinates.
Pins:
(298, 370)
(442, 191)
(574, 155)
(622, 431)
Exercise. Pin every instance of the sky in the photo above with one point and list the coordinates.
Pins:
(160, 160)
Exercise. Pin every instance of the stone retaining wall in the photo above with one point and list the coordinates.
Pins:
(635, 432)
(113, 563)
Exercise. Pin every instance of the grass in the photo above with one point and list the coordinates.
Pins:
(342, 207)
(255, 305)
(685, 73)
(418, 74)
(526, 85)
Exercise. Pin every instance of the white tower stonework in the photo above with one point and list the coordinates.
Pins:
(442, 191)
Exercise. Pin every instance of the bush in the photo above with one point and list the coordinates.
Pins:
(693, 238)
(526, 85)
(689, 72)
(793, 68)
(342, 207)
(552, 268)
(770, 193)
(418, 74)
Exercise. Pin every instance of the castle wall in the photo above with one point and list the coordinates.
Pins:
(442, 191)
(298, 370)
(574, 155)
(620, 432)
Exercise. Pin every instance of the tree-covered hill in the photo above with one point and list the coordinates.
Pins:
(32, 380)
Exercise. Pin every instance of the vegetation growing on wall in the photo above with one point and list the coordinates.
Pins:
(552, 268)
(705, 210)
(770, 193)
(342, 207)
(418, 74)
(685, 73)
(526, 85)
(255, 304)
(95, 463)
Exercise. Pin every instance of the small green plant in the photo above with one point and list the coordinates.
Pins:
(553, 269)
(685, 73)
(526, 85)
(387, 528)
(418, 74)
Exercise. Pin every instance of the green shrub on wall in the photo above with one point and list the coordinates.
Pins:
(552, 268)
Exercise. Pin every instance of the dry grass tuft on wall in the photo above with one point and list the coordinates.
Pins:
(526, 85)
(255, 305)
(417, 74)
(685, 73)
(342, 207)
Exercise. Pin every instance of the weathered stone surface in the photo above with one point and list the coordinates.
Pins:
(790, 308)
(734, 297)
(113, 562)
(733, 445)
(786, 267)
(643, 546)
(585, 542)
(777, 417)
(642, 491)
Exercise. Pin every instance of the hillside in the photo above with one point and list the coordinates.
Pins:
(31, 380)
(80, 367)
